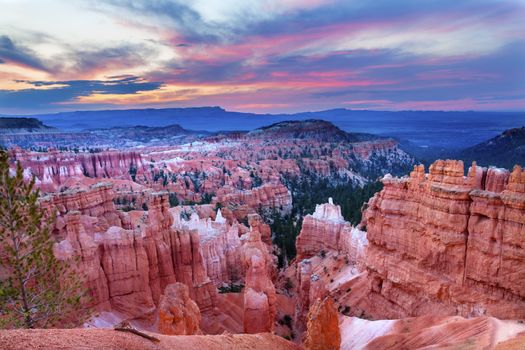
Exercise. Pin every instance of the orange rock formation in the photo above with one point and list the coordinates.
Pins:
(178, 314)
(323, 326)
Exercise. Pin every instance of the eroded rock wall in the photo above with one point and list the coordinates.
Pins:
(444, 243)
(128, 258)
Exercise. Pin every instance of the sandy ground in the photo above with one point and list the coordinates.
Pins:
(110, 339)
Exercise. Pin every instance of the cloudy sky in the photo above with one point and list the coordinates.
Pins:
(262, 56)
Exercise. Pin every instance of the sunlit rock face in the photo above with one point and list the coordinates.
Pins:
(440, 244)
(447, 244)
(431, 332)
(323, 326)
(130, 258)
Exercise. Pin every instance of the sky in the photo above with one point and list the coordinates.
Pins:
(264, 56)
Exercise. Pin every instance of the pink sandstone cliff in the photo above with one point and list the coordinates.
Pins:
(54, 168)
(220, 245)
(436, 244)
(265, 197)
(328, 250)
(447, 244)
(432, 332)
(129, 259)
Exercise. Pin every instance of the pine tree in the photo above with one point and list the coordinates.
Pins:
(36, 289)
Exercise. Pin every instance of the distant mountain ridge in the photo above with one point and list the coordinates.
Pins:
(443, 130)
(145, 134)
(504, 150)
(15, 124)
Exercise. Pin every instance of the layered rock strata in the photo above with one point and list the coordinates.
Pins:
(267, 197)
(220, 246)
(447, 244)
(128, 258)
(435, 244)
(54, 168)
(328, 251)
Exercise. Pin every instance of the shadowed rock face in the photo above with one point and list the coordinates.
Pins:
(504, 150)
(259, 296)
(25, 124)
(178, 314)
(313, 129)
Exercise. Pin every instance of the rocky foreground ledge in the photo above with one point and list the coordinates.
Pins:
(111, 339)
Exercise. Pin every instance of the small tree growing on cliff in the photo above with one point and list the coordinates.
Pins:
(36, 289)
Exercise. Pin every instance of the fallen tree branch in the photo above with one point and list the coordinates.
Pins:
(126, 327)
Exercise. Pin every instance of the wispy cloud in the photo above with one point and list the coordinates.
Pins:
(46, 94)
(274, 55)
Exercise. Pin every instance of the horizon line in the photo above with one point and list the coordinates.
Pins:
(3, 115)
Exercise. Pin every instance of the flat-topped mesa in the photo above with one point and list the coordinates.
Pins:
(448, 244)
(326, 229)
